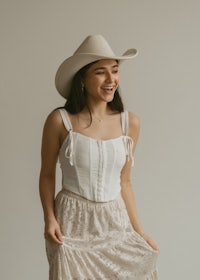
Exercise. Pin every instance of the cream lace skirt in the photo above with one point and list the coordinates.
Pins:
(99, 242)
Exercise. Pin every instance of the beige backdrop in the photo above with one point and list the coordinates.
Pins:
(161, 85)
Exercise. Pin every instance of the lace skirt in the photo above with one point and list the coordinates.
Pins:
(98, 242)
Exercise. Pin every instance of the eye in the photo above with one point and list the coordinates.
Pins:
(99, 73)
(115, 71)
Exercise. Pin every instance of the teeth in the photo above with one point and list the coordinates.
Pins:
(107, 87)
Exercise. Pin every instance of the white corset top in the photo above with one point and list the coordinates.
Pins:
(90, 167)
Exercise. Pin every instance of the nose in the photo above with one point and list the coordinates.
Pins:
(109, 77)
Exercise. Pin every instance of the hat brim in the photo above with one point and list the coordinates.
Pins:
(73, 64)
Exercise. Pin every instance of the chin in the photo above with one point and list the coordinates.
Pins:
(108, 100)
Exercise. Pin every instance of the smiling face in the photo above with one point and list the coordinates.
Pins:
(101, 80)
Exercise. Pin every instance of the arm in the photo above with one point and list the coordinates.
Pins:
(49, 153)
(126, 185)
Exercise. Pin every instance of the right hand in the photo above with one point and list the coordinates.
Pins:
(52, 232)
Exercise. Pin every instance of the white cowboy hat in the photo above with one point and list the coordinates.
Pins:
(93, 48)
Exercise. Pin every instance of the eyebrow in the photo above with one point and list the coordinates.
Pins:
(103, 68)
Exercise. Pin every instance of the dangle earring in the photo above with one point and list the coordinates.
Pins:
(82, 87)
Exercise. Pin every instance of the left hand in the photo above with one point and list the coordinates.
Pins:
(150, 241)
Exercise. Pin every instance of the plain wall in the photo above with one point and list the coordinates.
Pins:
(161, 86)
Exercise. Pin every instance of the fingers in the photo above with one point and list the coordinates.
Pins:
(150, 241)
(52, 237)
(59, 235)
(153, 244)
(53, 234)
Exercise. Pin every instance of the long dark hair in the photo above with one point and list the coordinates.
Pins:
(77, 99)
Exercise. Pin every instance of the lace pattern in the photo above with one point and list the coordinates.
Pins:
(99, 242)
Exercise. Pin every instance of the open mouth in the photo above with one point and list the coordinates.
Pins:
(108, 88)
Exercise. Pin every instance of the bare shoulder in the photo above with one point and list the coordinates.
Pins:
(54, 122)
(134, 126)
(54, 119)
(134, 120)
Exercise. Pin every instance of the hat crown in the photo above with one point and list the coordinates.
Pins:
(95, 44)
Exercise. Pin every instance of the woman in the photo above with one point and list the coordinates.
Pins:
(92, 229)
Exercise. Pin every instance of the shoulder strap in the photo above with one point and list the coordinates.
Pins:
(66, 119)
(124, 120)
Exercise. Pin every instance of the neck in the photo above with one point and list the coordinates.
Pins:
(100, 110)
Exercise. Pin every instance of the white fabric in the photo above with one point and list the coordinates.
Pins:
(90, 167)
(99, 242)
